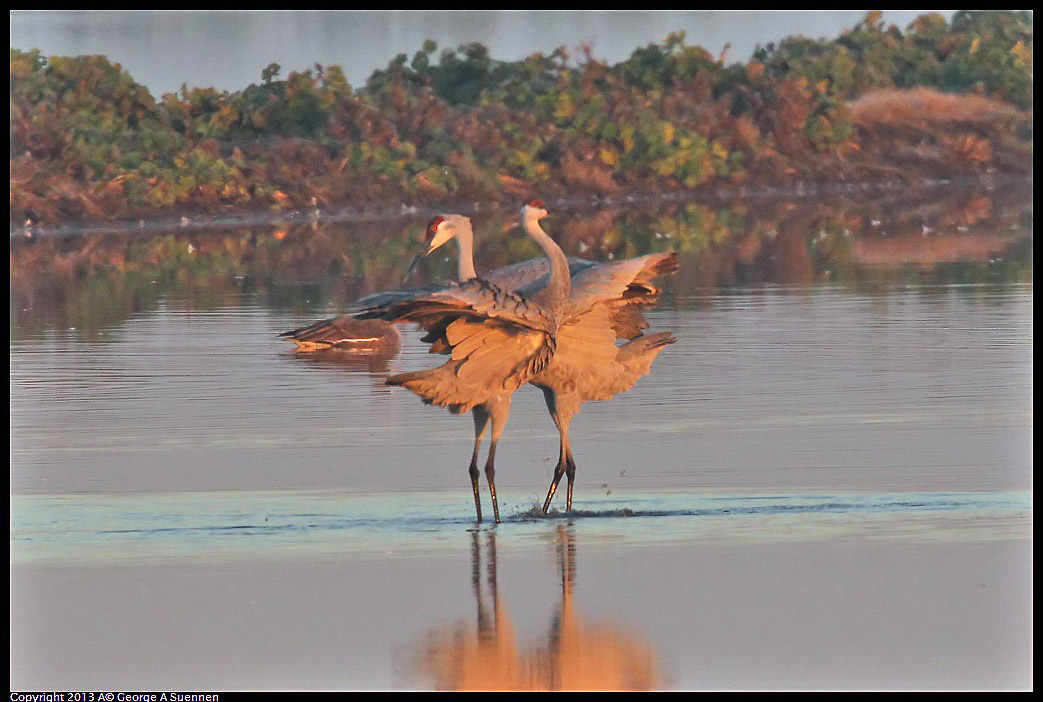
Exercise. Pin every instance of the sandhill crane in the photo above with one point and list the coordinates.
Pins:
(347, 333)
(499, 340)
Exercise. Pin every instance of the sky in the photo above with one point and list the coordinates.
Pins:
(228, 49)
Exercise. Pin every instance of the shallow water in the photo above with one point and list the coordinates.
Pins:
(843, 429)
(128, 528)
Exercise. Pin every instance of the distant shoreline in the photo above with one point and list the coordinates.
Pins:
(876, 107)
(197, 220)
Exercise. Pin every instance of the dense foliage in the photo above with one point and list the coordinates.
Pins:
(87, 142)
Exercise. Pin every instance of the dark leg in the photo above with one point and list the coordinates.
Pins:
(490, 475)
(570, 471)
(567, 467)
(499, 412)
(481, 421)
(559, 470)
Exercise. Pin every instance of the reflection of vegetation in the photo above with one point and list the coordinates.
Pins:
(96, 280)
(88, 142)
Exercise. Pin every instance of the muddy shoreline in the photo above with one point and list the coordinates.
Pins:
(801, 192)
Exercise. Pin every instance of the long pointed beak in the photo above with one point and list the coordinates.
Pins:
(416, 262)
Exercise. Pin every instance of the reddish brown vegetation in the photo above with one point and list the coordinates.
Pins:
(940, 135)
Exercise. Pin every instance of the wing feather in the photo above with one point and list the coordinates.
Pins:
(475, 298)
(487, 359)
(532, 274)
(619, 280)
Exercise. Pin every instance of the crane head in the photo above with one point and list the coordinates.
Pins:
(533, 209)
(438, 232)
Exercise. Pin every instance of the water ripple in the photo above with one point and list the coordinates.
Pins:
(143, 526)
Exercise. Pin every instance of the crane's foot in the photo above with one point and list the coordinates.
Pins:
(550, 497)
(564, 465)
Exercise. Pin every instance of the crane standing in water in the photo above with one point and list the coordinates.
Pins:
(557, 332)
(351, 334)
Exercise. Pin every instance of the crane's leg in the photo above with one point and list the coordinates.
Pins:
(565, 452)
(570, 473)
(481, 422)
(566, 466)
(499, 412)
(562, 466)
(559, 469)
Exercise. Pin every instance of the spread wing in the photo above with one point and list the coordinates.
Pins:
(585, 351)
(623, 280)
(488, 359)
(588, 366)
(474, 299)
(346, 331)
(389, 297)
(535, 272)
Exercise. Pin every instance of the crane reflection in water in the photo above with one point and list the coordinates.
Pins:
(575, 655)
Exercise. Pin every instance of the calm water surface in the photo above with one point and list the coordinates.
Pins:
(848, 405)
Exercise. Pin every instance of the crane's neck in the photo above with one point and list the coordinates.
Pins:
(465, 262)
(559, 284)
